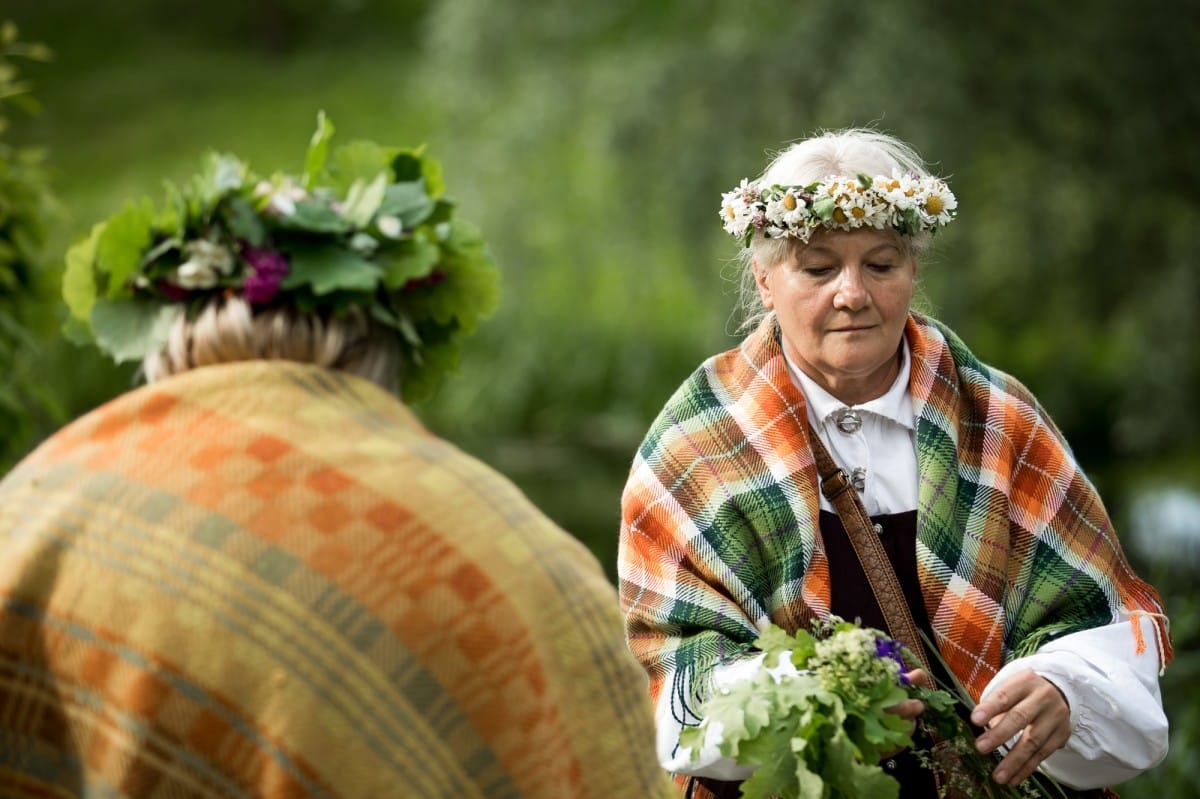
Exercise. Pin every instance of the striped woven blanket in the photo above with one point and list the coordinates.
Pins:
(268, 580)
(720, 519)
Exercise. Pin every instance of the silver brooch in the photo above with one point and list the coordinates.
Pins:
(858, 478)
(849, 420)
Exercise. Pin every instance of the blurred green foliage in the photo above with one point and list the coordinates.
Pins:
(27, 409)
(591, 142)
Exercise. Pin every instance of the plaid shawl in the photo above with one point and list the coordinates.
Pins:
(720, 533)
(268, 580)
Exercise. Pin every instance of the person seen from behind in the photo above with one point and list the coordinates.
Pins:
(259, 575)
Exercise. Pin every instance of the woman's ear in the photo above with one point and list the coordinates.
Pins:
(764, 286)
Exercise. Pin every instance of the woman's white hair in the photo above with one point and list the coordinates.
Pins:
(227, 329)
(851, 151)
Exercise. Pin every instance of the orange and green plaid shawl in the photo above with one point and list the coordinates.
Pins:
(268, 580)
(720, 519)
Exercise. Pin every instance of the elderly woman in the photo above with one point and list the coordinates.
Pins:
(259, 575)
(993, 540)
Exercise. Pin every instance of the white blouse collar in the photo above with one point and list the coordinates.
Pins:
(895, 404)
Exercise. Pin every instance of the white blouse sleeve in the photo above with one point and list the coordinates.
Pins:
(669, 723)
(1118, 727)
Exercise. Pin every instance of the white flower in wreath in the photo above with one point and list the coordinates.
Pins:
(775, 207)
(195, 275)
(798, 214)
(905, 202)
(736, 213)
(211, 253)
(786, 217)
(281, 198)
(840, 189)
(939, 204)
(207, 262)
(863, 210)
(390, 225)
(902, 192)
(749, 191)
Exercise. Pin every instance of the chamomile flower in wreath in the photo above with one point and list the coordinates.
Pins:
(900, 191)
(777, 214)
(880, 215)
(834, 187)
(939, 203)
(787, 213)
(861, 208)
(844, 194)
(795, 210)
(738, 208)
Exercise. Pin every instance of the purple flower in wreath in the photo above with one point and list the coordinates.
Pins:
(432, 279)
(268, 269)
(170, 291)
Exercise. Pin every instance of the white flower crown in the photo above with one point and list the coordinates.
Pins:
(907, 203)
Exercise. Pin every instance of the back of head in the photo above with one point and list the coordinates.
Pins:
(229, 329)
(358, 264)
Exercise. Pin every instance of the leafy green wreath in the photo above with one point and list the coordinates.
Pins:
(363, 226)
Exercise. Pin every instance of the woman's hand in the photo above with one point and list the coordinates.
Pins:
(910, 708)
(1031, 706)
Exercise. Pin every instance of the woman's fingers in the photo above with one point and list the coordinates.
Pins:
(1033, 708)
(908, 709)
(919, 677)
(1028, 753)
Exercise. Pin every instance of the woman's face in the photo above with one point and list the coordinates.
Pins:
(841, 302)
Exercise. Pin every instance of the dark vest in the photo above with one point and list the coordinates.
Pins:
(852, 598)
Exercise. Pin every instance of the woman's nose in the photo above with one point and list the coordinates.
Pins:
(850, 292)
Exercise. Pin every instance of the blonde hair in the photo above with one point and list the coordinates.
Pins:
(851, 151)
(227, 329)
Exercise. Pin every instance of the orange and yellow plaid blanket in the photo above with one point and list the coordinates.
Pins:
(268, 580)
(720, 532)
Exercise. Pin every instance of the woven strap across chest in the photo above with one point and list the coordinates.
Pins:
(837, 488)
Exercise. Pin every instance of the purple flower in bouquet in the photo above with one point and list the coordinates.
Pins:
(891, 649)
(269, 268)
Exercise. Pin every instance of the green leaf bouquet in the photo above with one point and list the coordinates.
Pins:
(820, 733)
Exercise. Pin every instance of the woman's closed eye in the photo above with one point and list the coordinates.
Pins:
(817, 271)
(881, 267)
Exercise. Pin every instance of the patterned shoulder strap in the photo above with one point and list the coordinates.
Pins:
(837, 488)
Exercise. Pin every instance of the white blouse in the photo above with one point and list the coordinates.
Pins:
(1118, 725)
(882, 447)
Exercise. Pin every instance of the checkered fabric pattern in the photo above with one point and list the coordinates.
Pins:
(269, 580)
(720, 533)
